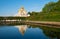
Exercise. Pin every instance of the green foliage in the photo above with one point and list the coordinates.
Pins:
(52, 7)
(50, 12)
(48, 7)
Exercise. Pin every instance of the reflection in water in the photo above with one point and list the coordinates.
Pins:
(52, 33)
(22, 28)
(29, 32)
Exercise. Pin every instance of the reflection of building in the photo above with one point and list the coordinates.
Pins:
(22, 28)
(22, 13)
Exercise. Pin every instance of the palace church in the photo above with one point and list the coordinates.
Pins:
(22, 13)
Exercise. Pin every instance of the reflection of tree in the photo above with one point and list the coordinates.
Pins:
(50, 32)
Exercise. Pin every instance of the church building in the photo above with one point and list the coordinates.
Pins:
(22, 13)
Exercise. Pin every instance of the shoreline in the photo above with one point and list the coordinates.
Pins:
(44, 23)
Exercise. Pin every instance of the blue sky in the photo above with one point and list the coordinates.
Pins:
(11, 7)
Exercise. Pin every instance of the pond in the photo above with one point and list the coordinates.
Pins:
(28, 32)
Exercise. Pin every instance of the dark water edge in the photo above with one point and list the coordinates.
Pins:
(33, 32)
(23, 22)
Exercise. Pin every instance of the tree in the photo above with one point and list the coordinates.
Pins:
(48, 7)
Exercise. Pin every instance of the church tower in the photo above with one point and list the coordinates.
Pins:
(22, 12)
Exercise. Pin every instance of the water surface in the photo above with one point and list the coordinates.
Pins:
(28, 32)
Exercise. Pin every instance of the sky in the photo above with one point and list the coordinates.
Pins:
(11, 7)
